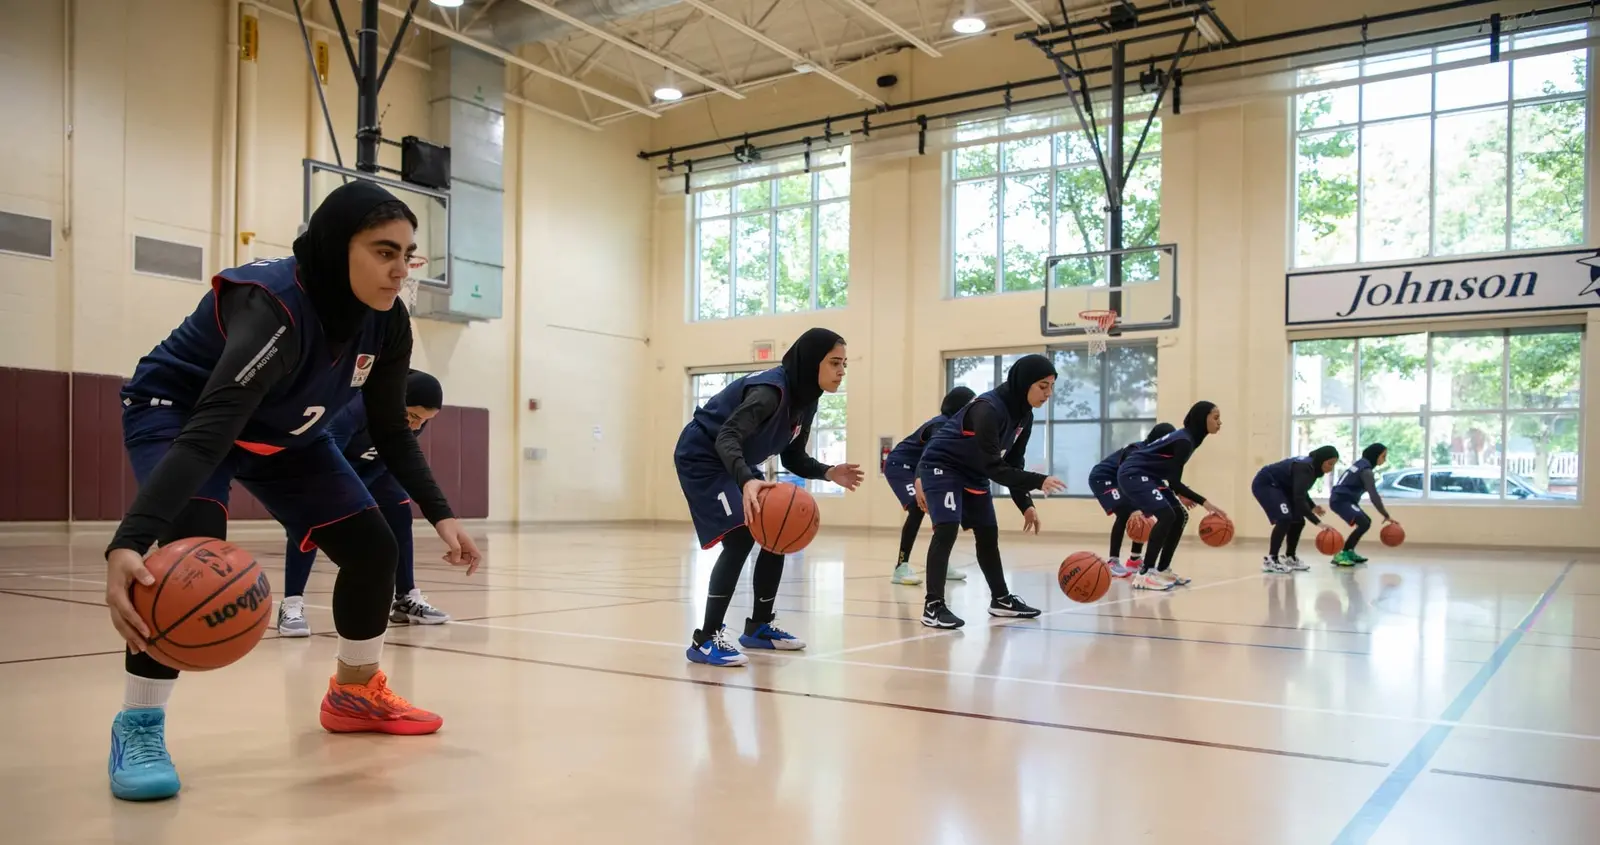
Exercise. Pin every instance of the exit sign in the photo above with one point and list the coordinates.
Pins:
(762, 350)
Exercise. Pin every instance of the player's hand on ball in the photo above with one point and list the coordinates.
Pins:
(922, 500)
(462, 551)
(752, 493)
(1030, 521)
(123, 567)
(847, 476)
(1053, 485)
(1216, 510)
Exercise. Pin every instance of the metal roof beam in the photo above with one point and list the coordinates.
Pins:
(631, 47)
(756, 35)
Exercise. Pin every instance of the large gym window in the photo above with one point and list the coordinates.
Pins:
(778, 245)
(1478, 159)
(1468, 417)
(1101, 403)
(1020, 199)
(827, 442)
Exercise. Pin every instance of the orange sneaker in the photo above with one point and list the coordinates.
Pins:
(374, 708)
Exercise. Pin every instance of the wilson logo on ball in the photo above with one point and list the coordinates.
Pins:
(251, 599)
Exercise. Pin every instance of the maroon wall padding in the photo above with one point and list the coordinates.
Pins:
(102, 479)
(34, 446)
(456, 444)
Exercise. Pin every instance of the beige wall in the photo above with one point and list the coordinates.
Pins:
(1226, 200)
(148, 91)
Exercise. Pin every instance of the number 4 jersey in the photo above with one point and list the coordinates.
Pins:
(322, 379)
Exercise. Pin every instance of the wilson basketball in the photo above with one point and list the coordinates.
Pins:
(1392, 534)
(1329, 540)
(1216, 530)
(788, 519)
(209, 604)
(1084, 577)
(1139, 528)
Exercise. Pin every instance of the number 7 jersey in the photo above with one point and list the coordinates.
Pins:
(294, 412)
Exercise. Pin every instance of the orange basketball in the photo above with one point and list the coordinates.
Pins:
(1329, 540)
(208, 606)
(1392, 534)
(1216, 530)
(1139, 528)
(788, 519)
(1083, 576)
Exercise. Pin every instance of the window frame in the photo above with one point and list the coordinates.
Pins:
(1426, 415)
(1507, 106)
(1106, 422)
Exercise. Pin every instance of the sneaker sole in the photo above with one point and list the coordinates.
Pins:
(955, 575)
(408, 619)
(772, 645)
(696, 657)
(334, 723)
(934, 623)
(1014, 614)
(294, 633)
(144, 793)
(906, 582)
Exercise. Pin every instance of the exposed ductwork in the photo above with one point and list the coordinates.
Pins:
(511, 24)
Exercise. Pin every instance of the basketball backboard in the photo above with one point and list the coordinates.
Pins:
(431, 207)
(1144, 295)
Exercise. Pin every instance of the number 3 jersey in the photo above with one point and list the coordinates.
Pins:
(324, 377)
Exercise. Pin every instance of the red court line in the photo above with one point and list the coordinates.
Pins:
(1523, 781)
(937, 711)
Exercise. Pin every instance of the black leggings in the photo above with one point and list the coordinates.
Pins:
(908, 533)
(1120, 527)
(1164, 537)
(1362, 524)
(987, 539)
(1287, 529)
(736, 546)
(362, 546)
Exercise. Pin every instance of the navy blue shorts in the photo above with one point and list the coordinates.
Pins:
(1106, 493)
(716, 504)
(381, 483)
(902, 480)
(1350, 512)
(1274, 502)
(303, 488)
(1148, 495)
(954, 498)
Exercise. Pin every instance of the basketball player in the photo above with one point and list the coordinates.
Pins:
(1149, 477)
(1284, 491)
(241, 389)
(1345, 500)
(352, 434)
(901, 472)
(1103, 484)
(757, 416)
(985, 441)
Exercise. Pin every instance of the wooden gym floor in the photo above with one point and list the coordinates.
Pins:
(1431, 697)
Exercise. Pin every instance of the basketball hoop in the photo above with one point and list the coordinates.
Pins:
(408, 288)
(1096, 325)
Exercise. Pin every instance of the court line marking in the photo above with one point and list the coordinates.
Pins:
(938, 711)
(61, 657)
(1372, 813)
(1508, 779)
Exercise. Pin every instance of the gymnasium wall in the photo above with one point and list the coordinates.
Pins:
(1225, 201)
(148, 88)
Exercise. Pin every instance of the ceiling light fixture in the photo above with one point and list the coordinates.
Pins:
(449, 4)
(668, 94)
(969, 25)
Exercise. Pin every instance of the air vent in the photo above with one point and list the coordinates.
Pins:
(165, 258)
(25, 235)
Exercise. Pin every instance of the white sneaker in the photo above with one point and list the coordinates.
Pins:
(1294, 564)
(1178, 580)
(1273, 565)
(414, 608)
(955, 575)
(904, 575)
(1150, 581)
(1116, 567)
(292, 617)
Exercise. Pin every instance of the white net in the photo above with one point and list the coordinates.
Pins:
(408, 288)
(1096, 326)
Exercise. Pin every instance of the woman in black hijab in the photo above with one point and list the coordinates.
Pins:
(757, 416)
(900, 470)
(1149, 477)
(242, 390)
(986, 441)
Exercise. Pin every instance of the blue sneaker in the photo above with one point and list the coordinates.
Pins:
(771, 636)
(140, 768)
(717, 651)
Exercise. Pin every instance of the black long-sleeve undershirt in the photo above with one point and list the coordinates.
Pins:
(1004, 468)
(760, 402)
(1301, 477)
(261, 350)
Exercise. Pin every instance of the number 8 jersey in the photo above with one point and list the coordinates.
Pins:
(325, 376)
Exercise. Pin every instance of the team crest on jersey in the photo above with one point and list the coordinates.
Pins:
(363, 369)
(794, 434)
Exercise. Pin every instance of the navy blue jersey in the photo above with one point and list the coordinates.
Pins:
(954, 447)
(297, 409)
(1106, 470)
(1159, 459)
(348, 428)
(1281, 474)
(773, 436)
(909, 450)
(1350, 487)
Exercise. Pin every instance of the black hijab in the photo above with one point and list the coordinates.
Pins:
(800, 365)
(955, 400)
(1019, 379)
(1321, 455)
(423, 391)
(1161, 430)
(323, 253)
(1194, 422)
(1373, 452)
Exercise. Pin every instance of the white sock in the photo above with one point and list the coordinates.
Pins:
(360, 652)
(146, 693)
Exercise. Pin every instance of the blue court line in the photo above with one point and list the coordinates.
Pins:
(1372, 814)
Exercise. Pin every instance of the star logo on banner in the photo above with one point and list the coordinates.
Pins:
(1593, 263)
